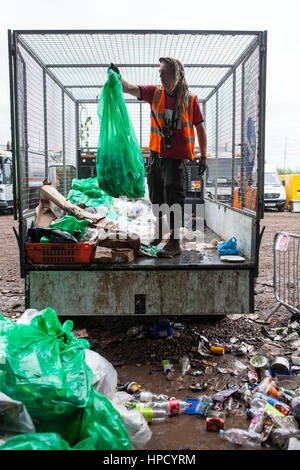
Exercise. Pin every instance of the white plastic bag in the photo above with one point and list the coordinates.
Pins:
(28, 315)
(134, 422)
(14, 417)
(105, 376)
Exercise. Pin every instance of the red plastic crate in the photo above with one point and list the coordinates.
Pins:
(59, 253)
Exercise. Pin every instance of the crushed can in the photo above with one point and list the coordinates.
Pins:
(214, 424)
(217, 349)
(253, 377)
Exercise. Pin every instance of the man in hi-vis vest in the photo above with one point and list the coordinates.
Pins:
(245, 187)
(174, 114)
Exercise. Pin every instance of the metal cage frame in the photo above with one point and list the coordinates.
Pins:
(239, 48)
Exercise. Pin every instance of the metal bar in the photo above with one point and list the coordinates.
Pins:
(18, 166)
(68, 66)
(77, 136)
(12, 123)
(240, 60)
(242, 173)
(138, 31)
(96, 101)
(233, 135)
(64, 144)
(25, 182)
(217, 143)
(141, 124)
(101, 86)
(39, 62)
(45, 123)
(261, 123)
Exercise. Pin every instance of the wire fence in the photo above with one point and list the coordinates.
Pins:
(286, 279)
(60, 77)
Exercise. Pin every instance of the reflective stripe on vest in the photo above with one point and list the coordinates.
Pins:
(158, 108)
(250, 199)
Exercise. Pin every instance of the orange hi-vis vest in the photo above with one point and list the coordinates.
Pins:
(158, 108)
(250, 199)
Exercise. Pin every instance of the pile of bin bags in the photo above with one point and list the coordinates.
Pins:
(58, 394)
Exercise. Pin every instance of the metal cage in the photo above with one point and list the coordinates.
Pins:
(56, 80)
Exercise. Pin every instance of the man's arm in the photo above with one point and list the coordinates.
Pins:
(133, 90)
(201, 133)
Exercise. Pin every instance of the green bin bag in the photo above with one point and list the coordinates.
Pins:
(38, 441)
(119, 163)
(86, 191)
(69, 224)
(43, 366)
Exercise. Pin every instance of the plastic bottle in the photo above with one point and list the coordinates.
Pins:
(172, 406)
(153, 415)
(167, 366)
(241, 436)
(258, 421)
(149, 397)
(204, 405)
(266, 386)
(280, 436)
(279, 405)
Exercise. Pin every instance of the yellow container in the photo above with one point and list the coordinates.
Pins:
(292, 188)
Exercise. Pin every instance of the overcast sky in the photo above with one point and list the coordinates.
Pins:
(279, 18)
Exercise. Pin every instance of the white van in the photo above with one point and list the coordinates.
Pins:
(274, 192)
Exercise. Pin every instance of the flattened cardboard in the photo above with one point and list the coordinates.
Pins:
(50, 193)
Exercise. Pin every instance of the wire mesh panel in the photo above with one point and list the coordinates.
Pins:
(57, 69)
(31, 128)
(232, 123)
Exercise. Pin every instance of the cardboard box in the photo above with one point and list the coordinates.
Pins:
(118, 255)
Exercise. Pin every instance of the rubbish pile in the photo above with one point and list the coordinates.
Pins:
(262, 392)
(58, 394)
(89, 226)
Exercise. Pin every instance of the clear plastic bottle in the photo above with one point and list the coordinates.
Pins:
(149, 397)
(279, 405)
(204, 405)
(153, 415)
(241, 437)
(280, 436)
(172, 406)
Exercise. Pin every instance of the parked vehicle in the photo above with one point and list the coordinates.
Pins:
(274, 192)
(6, 180)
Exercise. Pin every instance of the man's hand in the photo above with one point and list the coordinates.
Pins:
(202, 165)
(114, 68)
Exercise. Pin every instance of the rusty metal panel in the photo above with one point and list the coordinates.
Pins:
(174, 292)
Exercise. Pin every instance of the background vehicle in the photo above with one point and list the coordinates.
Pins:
(6, 180)
(274, 192)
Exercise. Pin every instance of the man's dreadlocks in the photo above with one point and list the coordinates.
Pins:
(180, 90)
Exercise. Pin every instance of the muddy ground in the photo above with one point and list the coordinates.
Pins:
(137, 354)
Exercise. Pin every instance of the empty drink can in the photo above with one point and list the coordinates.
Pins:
(214, 424)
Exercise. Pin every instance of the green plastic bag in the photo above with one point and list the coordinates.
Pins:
(69, 224)
(43, 366)
(119, 163)
(38, 441)
(86, 191)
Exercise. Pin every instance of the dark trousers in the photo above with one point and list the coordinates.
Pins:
(166, 185)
